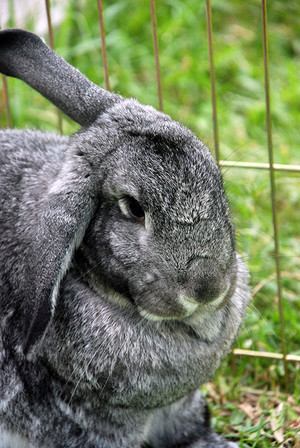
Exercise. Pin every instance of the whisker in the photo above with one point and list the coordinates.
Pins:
(245, 157)
(247, 142)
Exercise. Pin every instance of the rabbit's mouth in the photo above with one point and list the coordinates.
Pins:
(184, 307)
(189, 307)
(156, 302)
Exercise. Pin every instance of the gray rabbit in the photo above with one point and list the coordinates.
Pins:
(121, 289)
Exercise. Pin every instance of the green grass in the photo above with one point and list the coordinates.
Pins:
(253, 417)
(242, 129)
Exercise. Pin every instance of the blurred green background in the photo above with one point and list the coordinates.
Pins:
(184, 63)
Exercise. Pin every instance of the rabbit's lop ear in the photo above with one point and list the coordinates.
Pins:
(60, 227)
(25, 56)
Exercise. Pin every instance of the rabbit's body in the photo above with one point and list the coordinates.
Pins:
(120, 287)
(124, 379)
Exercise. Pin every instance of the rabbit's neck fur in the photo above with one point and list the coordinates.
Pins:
(129, 355)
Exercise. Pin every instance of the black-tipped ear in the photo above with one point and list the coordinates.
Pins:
(61, 227)
(25, 56)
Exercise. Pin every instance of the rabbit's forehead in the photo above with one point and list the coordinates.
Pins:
(160, 162)
(183, 188)
(188, 203)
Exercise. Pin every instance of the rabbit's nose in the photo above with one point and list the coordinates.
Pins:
(209, 280)
(210, 289)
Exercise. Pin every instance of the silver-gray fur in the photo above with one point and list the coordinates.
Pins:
(120, 287)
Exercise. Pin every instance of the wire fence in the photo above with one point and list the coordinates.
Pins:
(271, 167)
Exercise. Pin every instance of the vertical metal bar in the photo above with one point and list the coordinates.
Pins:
(156, 53)
(103, 46)
(6, 98)
(6, 102)
(212, 79)
(50, 30)
(51, 42)
(273, 186)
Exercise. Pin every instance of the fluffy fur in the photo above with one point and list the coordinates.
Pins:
(120, 287)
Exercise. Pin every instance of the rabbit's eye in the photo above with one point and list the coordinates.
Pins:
(131, 208)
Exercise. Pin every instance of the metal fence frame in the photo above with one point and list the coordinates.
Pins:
(271, 166)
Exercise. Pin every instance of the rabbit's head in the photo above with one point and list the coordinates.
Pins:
(138, 202)
(161, 237)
